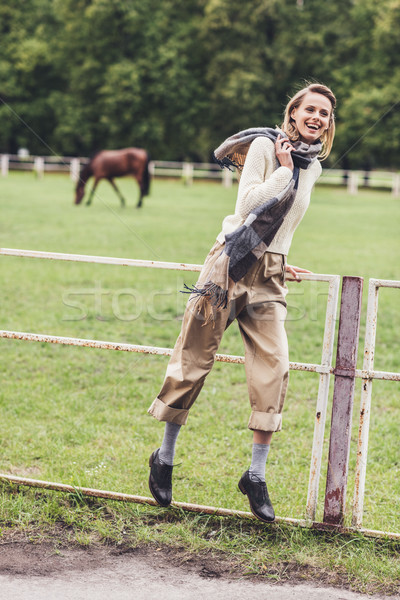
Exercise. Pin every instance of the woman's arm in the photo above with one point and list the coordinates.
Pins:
(260, 181)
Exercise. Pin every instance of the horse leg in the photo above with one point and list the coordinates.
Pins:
(140, 201)
(89, 200)
(120, 196)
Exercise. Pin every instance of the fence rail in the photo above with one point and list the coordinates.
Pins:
(197, 508)
(189, 171)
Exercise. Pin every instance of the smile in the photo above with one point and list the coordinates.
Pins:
(312, 126)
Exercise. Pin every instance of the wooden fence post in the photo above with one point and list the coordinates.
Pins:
(74, 169)
(187, 173)
(352, 183)
(4, 164)
(396, 185)
(227, 178)
(38, 166)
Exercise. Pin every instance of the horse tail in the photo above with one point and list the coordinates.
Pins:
(146, 178)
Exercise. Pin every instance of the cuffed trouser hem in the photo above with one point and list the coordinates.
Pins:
(265, 421)
(162, 412)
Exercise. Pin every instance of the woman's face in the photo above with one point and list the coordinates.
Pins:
(312, 116)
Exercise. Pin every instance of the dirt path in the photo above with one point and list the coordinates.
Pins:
(43, 572)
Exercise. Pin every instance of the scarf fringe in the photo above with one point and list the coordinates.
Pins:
(217, 296)
(227, 163)
(208, 300)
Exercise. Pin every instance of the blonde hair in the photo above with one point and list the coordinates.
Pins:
(289, 125)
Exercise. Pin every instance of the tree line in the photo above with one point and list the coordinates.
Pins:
(178, 76)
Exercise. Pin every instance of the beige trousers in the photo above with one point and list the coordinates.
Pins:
(258, 304)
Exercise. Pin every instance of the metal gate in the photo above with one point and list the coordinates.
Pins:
(324, 369)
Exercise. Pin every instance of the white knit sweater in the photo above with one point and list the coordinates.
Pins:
(260, 181)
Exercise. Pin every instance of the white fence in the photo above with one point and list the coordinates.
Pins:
(189, 171)
(387, 180)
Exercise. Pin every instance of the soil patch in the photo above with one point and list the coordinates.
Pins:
(148, 568)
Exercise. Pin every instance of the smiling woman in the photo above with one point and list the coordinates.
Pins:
(243, 279)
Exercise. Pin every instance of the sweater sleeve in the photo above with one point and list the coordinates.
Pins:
(260, 181)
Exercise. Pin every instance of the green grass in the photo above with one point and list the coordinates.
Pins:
(78, 415)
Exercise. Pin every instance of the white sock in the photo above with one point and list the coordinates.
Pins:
(259, 460)
(167, 450)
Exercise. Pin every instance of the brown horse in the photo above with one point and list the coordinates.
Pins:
(108, 164)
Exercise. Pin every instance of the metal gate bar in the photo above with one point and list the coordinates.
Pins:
(101, 345)
(343, 397)
(368, 375)
(324, 369)
(322, 399)
(198, 508)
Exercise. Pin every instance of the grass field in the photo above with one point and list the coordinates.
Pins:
(78, 415)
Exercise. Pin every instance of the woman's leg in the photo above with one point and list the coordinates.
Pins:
(267, 364)
(190, 363)
(259, 455)
(267, 367)
(262, 437)
(192, 360)
(193, 356)
(167, 449)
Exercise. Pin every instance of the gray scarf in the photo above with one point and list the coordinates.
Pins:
(244, 246)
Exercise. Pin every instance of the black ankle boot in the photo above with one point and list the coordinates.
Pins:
(160, 480)
(257, 493)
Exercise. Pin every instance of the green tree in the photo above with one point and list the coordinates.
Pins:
(177, 77)
(369, 127)
(26, 76)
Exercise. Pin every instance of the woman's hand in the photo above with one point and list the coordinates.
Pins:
(283, 149)
(295, 271)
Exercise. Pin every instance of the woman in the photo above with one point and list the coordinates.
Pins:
(243, 278)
